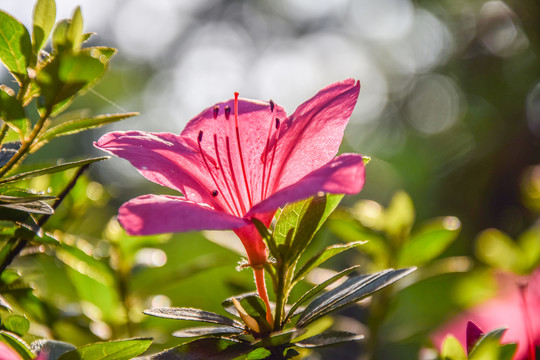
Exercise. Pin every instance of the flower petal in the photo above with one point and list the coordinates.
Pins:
(157, 214)
(163, 158)
(311, 136)
(344, 174)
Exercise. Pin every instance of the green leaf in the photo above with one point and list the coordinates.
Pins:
(60, 40)
(51, 170)
(207, 331)
(429, 242)
(316, 289)
(204, 349)
(112, 350)
(17, 324)
(17, 344)
(452, 349)
(52, 348)
(267, 237)
(75, 126)
(399, 216)
(322, 256)
(279, 338)
(352, 290)
(498, 250)
(329, 338)
(15, 46)
(67, 74)
(23, 204)
(489, 347)
(193, 315)
(44, 17)
(298, 222)
(12, 112)
(258, 354)
(74, 33)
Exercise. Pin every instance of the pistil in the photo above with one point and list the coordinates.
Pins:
(240, 149)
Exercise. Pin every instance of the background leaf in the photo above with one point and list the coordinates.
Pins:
(112, 350)
(12, 112)
(15, 46)
(44, 17)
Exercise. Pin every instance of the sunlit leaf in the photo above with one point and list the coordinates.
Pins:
(429, 242)
(112, 350)
(207, 331)
(350, 291)
(51, 170)
(322, 256)
(258, 354)
(15, 46)
(17, 344)
(193, 315)
(452, 349)
(16, 324)
(60, 40)
(75, 126)
(75, 29)
(329, 338)
(204, 349)
(44, 17)
(103, 53)
(12, 112)
(498, 250)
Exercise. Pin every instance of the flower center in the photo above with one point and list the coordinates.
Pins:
(231, 196)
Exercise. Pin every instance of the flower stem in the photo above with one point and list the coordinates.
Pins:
(527, 320)
(261, 289)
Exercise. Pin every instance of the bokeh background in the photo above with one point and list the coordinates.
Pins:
(449, 112)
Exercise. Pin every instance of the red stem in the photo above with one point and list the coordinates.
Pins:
(261, 289)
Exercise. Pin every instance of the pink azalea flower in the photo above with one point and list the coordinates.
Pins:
(7, 353)
(515, 308)
(238, 160)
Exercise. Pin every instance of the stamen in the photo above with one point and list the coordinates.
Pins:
(278, 123)
(264, 155)
(216, 110)
(215, 193)
(199, 139)
(271, 106)
(233, 176)
(227, 112)
(240, 148)
(225, 178)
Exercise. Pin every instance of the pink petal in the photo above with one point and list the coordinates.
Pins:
(157, 214)
(164, 159)
(7, 353)
(311, 136)
(255, 122)
(344, 174)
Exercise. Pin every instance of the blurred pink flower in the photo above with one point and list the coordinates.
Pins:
(507, 310)
(238, 160)
(7, 353)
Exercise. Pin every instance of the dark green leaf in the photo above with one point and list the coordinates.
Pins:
(15, 46)
(251, 302)
(329, 338)
(18, 325)
(51, 170)
(54, 349)
(507, 351)
(194, 315)
(17, 344)
(429, 242)
(12, 112)
(75, 126)
(350, 291)
(44, 17)
(258, 354)
(321, 257)
(8, 151)
(112, 350)
(207, 331)
(279, 338)
(32, 207)
(204, 349)
(67, 74)
(315, 290)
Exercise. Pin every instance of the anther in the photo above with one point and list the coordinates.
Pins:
(277, 123)
(271, 106)
(200, 136)
(216, 110)
(227, 112)
(215, 193)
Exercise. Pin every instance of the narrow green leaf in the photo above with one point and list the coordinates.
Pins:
(207, 331)
(452, 349)
(193, 315)
(17, 344)
(204, 349)
(258, 354)
(316, 289)
(350, 291)
(429, 242)
(44, 17)
(66, 75)
(17, 324)
(112, 350)
(103, 53)
(51, 170)
(15, 46)
(60, 40)
(75, 126)
(75, 30)
(322, 256)
(12, 112)
(329, 338)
